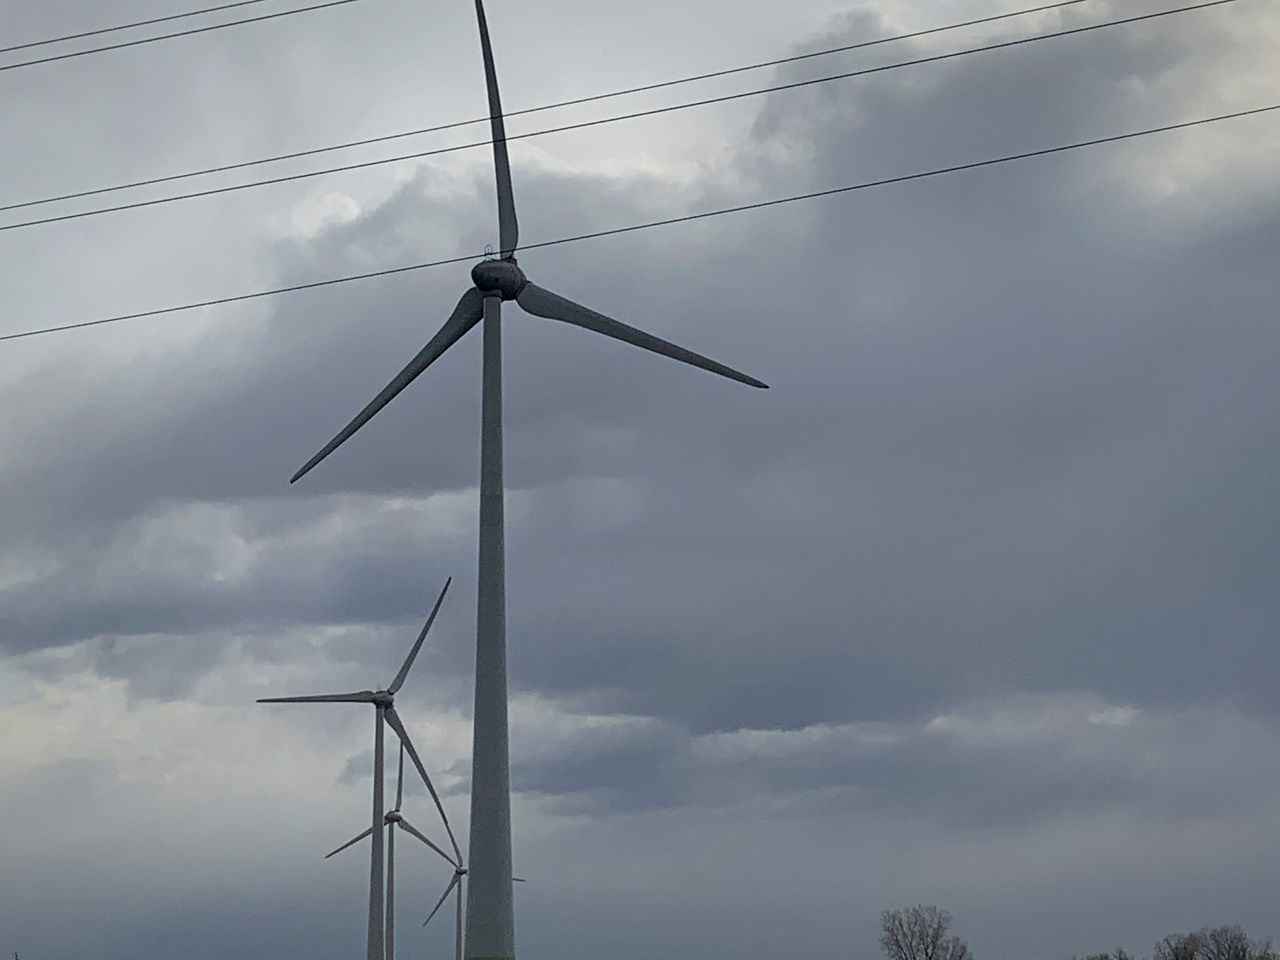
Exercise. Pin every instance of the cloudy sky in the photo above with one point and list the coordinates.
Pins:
(976, 606)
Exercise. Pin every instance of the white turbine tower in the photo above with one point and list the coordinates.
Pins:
(490, 920)
(393, 819)
(384, 709)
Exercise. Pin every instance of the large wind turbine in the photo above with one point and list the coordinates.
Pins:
(384, 709)
(393, 819)
(490, 921)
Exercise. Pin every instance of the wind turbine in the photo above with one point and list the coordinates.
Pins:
(384, 709)
(490, 919)
(394, 818)
(459, 871)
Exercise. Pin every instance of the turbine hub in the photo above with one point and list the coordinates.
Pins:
(383, 699)
(502, 277)
(393, 816)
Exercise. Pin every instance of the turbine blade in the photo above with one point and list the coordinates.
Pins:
(465, 316)
(417, 645)
(350, 843)
(508, 229)
(400, 781)
(544, 303)
(393, 719)
(447, 890)
(414, 832)
(362, 696)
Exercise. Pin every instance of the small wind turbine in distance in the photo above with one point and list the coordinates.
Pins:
(394, 818)
(456, 881)
(459, 872)
(490, 918)
(384, 708)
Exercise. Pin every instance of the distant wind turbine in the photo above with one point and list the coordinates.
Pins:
(384, 708)
(490, 919)
(459, 871)
(393, 818)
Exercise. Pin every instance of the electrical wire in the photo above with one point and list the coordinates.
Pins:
(179, 33)
(127, 26)
(594, 98)
(688, 218)
(366, 164)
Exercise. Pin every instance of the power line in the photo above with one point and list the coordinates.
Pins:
(366, 164)
(861, 45)
(126, 26)
(179, 33)
(539, 109)
(760, 205)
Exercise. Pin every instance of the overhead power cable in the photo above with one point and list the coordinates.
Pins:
(179, 33)
(742, 208)
(127, 26)
(366, 164)
(594, 98)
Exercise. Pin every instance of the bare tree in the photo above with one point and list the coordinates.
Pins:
(920, 933)
(1220, 943)
(1231, 943)
(1179, 946)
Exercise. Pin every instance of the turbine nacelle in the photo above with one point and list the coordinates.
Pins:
(503, 277)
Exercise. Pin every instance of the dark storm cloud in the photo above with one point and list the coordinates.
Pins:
(1021, 404)
(997, 409)
(985, 766)
(167, 576)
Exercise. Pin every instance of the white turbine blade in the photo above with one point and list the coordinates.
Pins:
(362, 696)
(544, 303)
(393, 719)
(408, 661)
(447, 890)
(351, 843)
(508, 229)
(400, 781)
(414, 832)
(466, 315)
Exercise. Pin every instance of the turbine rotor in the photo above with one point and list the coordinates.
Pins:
(503, 277)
